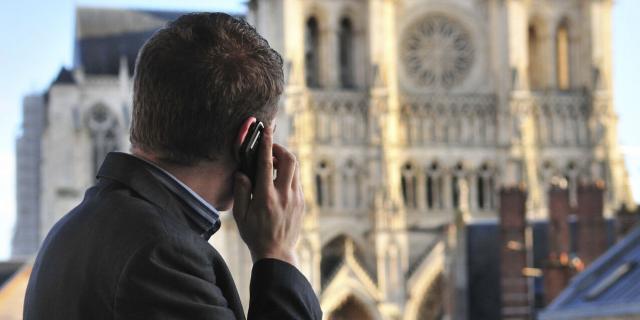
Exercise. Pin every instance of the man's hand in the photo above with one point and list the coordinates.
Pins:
(270, 221)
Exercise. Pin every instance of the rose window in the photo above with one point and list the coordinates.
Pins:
(437, 52)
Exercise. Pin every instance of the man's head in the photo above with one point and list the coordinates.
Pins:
(196, 83)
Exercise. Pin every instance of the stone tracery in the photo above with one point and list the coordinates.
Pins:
(437, 52)
(104, 131)
(457, 120)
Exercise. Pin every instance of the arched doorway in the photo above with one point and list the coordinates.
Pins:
(350, 309)
(431, 307)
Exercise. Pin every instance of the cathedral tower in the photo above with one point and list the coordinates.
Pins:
(392, 105)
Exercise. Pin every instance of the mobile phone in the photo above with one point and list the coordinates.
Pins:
(249, 151)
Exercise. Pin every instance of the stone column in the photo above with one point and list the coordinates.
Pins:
(390, 214)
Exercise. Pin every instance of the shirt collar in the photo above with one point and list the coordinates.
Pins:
(161, 188)
(202, 209)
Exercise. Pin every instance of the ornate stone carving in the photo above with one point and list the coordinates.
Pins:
(104, 131)
(341, 117)
(455, 120)
(437, 52)
(561, 118)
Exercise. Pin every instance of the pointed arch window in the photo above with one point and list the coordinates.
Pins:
(104, 132)
(536, 65)
(409, 184)
(351, 308)
(572, 184)
(324, 185)
(333, 253)
(456, 177)
(432, 303)
(312, 53)
(485, 188)
(434, 187)
(562, 56)
(346, 53)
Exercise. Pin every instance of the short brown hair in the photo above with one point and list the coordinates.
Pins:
(196, 81)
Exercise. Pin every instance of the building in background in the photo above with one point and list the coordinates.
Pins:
(392, 106)
(89, 106)
(27, 234)
(407, 117)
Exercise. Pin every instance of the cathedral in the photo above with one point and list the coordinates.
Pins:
(407, 118)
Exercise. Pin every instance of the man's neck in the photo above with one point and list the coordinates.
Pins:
(207, 179)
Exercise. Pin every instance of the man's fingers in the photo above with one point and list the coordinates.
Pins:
(286, 165)
(241, 196)
(296, 177)
(264, 170)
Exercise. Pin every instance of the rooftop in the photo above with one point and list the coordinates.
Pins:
(610, 287)
(103, 36)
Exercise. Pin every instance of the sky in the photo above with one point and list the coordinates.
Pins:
(37, 40)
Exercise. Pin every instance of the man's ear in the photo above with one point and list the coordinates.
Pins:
(241, 135)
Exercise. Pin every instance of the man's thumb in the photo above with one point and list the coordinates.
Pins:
(241, 196)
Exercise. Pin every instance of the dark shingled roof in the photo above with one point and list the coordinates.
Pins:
(103, 36)
(610, 287)
(483, 245)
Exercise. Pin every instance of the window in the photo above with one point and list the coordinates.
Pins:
(572, 184)
(103, 129)
(408, 181)
(320, 196)
(430, 193)
(456, 178)
(345, 52)
(455, 191)
(610, 280)
(536, 63)
(312, 53)
(324, 196)
(562, 56)
(484, 188)
(434, 187)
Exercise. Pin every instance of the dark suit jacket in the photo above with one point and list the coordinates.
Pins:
(132, 250)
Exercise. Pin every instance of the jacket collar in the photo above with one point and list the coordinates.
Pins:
(160, 188)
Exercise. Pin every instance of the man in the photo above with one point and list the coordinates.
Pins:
(136, 247)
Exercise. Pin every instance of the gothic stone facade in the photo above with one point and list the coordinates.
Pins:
(407, 116)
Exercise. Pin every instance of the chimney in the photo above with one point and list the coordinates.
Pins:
(626, 220)
(515, 296)
(559, 210)
(592, 231)
(557, 274)
(557, 269)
